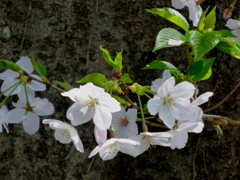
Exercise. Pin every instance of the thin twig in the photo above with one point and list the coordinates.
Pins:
(194, 160)
(220, 120)
(156, 125)
(90, 165)
(223, 100)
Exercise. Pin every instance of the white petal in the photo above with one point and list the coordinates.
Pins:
(156, 84)
(9, 82)
(183, 110)
(22, 94)
(95, 151)
(177, 4)
(102, 118)
(154, 105)
(184, 90)
(31, 123)
(202, 99)
(35, 85)
(166, 116)
(63, 136)
(25, 63)
(9, 73)
(15, 116)
(166, 87)
(109, 103)
(166, 74)
(132, 115)
(76, 116)
(76, 140)
(233, 24)
(107, 153)
(192, 127)
(56, 124)
(92, 90)
(179, 139)
(74, 93)
(42, 107)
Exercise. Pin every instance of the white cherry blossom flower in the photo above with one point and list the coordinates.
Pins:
(195, 10)
(180, 133)
(28, 112)
(11, 78)
(109, 149)
(148, 139)
(91, 102)
(124, 123)
(3, 121)
(235, 26)
(65, 133)
(158, 82)
(172, 102)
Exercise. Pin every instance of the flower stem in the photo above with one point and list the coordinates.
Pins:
(144, 126)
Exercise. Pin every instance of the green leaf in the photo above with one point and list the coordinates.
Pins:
(65, 85)
(160, 65)
(95, 78)
(165, 35)
(126, 78)
(233, 50)
(210, 20)
(118, 62)
(202, 43)
(41, 70)
(121, 101)
(198, 70)
(112, 86)
(107, 56)
(171, 15)
(201, 24)
(225, 33)
(6, 64)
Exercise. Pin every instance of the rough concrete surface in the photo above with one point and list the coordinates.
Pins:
(64, 36)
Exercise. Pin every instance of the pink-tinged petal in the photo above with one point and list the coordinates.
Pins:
(63, 136)
(25, 63)
(156, 84)
(8, 73)
(184, 90)
(9, 82)
(75, 94)
(202, 99)
(154, 105)
(31, 123)
(78, 114)
(178, 140)
(102, 118)
(35, 85)
(166, 87)
(22, 94)
(15, 116)
(233, 24)
(92, 90)
(132, 115)
(177, 4)
(76, 140)
(42, 107)
(167, 116)
(100, 135)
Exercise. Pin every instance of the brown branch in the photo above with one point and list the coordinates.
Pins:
(156, 125)
(223, 100)
(219, 120)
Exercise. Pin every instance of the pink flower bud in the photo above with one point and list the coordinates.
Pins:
(100, 135)
(227, 13)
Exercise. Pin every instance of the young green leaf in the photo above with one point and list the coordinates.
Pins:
(171, 15)
(112, 86)
(118, 62)
(65, 85)
(225, 33)
(160, 65)
(233, 50)
(107, 56)
(95, 78)
(6, 64)
(126, 78)
(199, 69)
(202, 43)
(210, 20)
(165, 35)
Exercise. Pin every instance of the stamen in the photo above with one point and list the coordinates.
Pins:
(113, 148)
(123, 122)
(91, 104)
(65, 133)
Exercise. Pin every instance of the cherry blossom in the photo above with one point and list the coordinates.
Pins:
(148, 139)
(124, 123)
(172, 102)
(109, 149)
(235, 26)
(180, 133)
(65, 133)
(158, 82)
(3, 121)
(195, 10)
(11, 78)
(100, 135)
(28, 109)
(91, 102)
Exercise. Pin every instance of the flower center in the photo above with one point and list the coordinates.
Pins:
(170, 101)
(64, 133)
(92, 103)
(113, 148)
(149, 141)
(123, 122)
